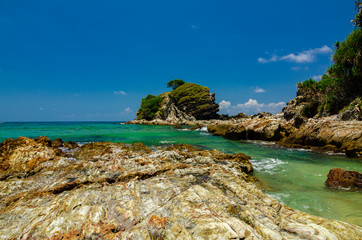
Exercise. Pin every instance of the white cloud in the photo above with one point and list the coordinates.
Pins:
(120, 92)
(302, 57)
(274, 58)
(317, 77)
(224, 104)
(259, 90)
(128, 110)
(41, 109)
(299, 58)
(252, 106)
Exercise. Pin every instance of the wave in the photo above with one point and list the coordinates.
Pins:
(268, 165)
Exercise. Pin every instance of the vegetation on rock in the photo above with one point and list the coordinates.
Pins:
(186, 101)
(195, 99)
(149, 106)
(342, 83)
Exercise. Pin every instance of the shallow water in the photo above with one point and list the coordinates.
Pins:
(294, 177)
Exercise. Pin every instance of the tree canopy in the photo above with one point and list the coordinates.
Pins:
(175, 83)
(342, 84)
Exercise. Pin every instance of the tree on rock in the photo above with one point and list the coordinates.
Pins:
(149, 107)
(175, 83)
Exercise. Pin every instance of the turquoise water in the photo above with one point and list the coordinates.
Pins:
(294, 177)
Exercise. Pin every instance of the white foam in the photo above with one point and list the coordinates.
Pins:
(166, 142)
(184, 129)
(269, 165)
(203, 129)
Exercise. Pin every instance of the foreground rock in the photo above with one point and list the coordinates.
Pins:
(338, 178)
(126, 191)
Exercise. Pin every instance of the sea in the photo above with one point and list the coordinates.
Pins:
(295, 177)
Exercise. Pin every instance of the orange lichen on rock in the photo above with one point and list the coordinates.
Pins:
(158, 222)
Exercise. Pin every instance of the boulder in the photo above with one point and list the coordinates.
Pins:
(338, 178)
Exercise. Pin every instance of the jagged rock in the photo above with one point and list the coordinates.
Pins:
(338, 177)
(127, 191)
(57, 143)
(70, 145)
(23, 155)
(352, 112)
(345, 135)
(267, 129)
(44, 141)
(170, 112)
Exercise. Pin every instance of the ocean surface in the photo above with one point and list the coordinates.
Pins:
(294, 177)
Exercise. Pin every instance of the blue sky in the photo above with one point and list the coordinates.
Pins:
(95, 60)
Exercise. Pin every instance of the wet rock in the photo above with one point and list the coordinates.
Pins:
(70, 145)
(57, 143)
(338, 178)
(127, 191)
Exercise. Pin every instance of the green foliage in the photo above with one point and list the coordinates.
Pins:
(357, 22)
(190, 93)
(149, 107)
(343, 81)
(175, 83)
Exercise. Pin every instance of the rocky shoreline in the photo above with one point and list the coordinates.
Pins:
(326, 134)
(51, 190)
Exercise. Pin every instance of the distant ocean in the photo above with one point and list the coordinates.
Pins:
(294, 177)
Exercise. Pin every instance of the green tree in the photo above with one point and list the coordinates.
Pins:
(342, 83)
(149, 107)
(175, 83)
(357, 22)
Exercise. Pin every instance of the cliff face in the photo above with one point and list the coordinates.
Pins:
(126, 191)
(188, 102)
(196, 101)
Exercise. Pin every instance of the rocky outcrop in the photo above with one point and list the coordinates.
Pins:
(196, 101)
(189, 102)
(170, 112)
(338, 178)
(321, 135)
(127, 191)
(267, 129)
(328, 134)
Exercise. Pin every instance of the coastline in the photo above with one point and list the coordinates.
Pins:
(323, 135)
(116, 190)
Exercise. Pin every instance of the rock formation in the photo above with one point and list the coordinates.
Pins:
(127, 191)
(338, 178)
(188, 102)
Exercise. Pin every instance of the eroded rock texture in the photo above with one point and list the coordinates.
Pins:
(120, 191)
(337, 178)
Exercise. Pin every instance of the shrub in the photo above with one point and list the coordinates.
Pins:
(190, 93)
(149, 107)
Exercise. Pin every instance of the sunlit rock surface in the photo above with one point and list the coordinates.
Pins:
(120, 191)
(339, 178)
